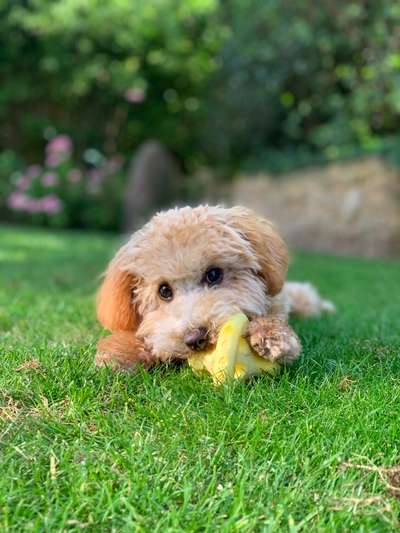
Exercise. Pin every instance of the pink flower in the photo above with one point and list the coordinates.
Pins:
(33, 171)
(135, 95)
(23, 183)
(54, 159)
(49, 179)
(51, 204)
(58, 149)
(113, 164)
(96, 177)
(97, 174)
(33, 206)
(74, 175)
(18, 201)
(60, 144)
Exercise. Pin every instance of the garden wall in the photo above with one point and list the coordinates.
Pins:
(346, 208)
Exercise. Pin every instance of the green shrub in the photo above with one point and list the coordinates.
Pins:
(304, 80)
(111, 74)
(62, 193)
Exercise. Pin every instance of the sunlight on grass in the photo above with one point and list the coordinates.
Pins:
(32, 241)
(13, 255)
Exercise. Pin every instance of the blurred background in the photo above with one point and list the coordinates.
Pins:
(112, 109)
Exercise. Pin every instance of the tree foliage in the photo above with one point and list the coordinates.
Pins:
(108, 73)
(306, 77)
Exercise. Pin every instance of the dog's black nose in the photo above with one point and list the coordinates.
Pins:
(196, 339)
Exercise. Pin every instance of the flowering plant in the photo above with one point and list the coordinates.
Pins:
(65, 194)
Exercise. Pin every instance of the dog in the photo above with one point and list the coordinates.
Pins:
(169, 289)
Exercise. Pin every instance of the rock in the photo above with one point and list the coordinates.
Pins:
(345, 208)
(155, 182)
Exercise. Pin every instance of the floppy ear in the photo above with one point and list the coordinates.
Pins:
(115, 309)
(271, 251)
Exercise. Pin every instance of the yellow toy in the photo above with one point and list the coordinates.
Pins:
(232, 357)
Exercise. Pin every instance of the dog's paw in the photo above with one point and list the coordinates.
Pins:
(122, 351)
(281, 348)
(274, 340)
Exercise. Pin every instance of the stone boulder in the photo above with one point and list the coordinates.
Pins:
(155, 182)
(346, 208)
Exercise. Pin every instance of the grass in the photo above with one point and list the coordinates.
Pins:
(82, 449)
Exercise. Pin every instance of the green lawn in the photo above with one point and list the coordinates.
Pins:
(82, 449)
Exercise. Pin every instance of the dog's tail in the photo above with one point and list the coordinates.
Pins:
(305, 301)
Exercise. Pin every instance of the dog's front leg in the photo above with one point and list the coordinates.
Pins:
(123, 351)
(274, 339)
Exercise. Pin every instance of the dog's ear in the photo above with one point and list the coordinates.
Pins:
(271, 251)
(115, 309)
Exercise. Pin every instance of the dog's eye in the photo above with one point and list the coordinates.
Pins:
(213, 276)
(165, 291)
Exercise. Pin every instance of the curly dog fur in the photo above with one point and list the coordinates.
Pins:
(187, 271)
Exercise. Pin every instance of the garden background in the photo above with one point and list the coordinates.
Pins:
(239, 86)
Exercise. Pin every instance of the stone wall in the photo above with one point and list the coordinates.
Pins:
(347, 208)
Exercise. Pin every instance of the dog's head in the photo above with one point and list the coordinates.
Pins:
(180, 277)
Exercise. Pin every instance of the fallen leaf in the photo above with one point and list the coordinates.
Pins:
(346, 383)
(341, 504)
(33, 364)
(10, 409)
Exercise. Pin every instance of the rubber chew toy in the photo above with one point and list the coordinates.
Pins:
(232, 357)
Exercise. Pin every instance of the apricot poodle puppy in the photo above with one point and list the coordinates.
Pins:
(169, 289)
